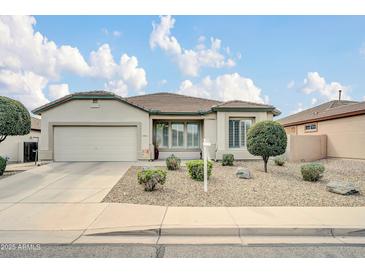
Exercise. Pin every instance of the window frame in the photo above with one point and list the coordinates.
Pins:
(187, 135)
(168, 134)
(242, 121)
(311, 129)
(184, 133)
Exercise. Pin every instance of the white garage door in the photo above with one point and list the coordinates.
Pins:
(87, 143)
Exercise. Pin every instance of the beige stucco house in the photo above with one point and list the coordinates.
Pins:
(341, 121)
(22, 148)
(101, 126)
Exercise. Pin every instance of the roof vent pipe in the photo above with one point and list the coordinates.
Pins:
(339, 95)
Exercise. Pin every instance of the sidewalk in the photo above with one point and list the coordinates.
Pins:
(127, 223)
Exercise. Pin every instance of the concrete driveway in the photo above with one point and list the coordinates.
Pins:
(86, 182)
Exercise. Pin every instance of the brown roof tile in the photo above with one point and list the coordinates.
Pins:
(329, 110)
(162, 102)
(172, 102)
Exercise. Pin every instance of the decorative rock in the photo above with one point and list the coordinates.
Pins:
(243, 173)
(343, 188)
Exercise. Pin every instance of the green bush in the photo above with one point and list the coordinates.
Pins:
(279, 160)
(173, 162)
(196, 169)
(312, 172)
(14, 118)
(265, 139)
(151, 177)
(2, 165)
(227, 160)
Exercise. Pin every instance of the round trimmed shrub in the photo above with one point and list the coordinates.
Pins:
(265, 139)
(279, 160)
(227, 160)
(151, 177)
(173, 162)
(196, 169)
(14, 118)
(312, 172)
(2, 165)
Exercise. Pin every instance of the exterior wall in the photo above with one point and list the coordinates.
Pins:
(306, 148)
(13, 146)
(84, 111)
(345, 136)
(222, 133)
(207, 130)
(185, 155)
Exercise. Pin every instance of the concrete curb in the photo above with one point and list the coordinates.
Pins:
(233, 231)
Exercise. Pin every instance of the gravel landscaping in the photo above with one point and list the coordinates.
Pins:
(281, 186)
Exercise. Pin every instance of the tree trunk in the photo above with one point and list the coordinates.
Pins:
(3, 137)
(266, 159)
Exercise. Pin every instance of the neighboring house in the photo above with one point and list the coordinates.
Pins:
(343, 122)
(22, 148)
(101, 126)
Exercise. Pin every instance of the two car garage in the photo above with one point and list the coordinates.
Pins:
(95, 143)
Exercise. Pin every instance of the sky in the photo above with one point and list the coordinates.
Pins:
(291, 62)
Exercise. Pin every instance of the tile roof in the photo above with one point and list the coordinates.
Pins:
(161, 102)
(329, 110)
(173, 103)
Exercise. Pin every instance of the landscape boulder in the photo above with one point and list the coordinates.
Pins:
(343, 188)
(243, 173)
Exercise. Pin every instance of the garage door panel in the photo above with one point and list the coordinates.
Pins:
(95, 143)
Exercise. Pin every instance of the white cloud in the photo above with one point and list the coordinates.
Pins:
(117, 86)
(314, 101)
(29, 56)
(26, 87)
(225, 87)
(315, 84)
(189, 61)
(299, 108)
(291, 84)
(25, 49)
(117, 33)
(162, 82)
(56, 91)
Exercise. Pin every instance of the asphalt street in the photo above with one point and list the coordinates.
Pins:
(183, 251)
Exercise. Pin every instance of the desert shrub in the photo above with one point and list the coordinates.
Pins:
(265, 139)
(196, 169)
(312, 172)
(151, 177)
(173, 162)
(2, 165)
(279, 160)
(227, 160)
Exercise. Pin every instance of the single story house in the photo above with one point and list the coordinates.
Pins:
(342, 121)
(102, 126)
(22, 148)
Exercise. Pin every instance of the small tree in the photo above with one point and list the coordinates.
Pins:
(265, 139)
(14, 118)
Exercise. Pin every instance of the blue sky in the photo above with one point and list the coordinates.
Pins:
(292, 62)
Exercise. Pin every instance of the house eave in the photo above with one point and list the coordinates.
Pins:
(276, 112)
(39, 110)
(332, 117)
